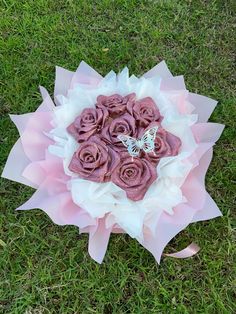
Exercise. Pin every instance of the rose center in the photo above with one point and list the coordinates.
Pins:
(121, 128)
(146, 111)
(128, 173)
(88, 156)
(88, 118)
(157, 144)
(114, 102)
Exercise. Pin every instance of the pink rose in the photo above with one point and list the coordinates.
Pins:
(94, 160)
(125, 124)
(115, 104)
(144, 111)
(166, 144)
(88, 123)
(134, 176)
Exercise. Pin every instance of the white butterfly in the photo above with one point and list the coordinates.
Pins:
(146, 142)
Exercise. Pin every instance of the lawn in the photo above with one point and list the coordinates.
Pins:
(45, 268)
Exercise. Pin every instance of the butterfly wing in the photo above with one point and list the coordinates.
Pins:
(148, 139)
(130, 143)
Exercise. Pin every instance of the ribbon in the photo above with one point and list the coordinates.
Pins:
(189, 251)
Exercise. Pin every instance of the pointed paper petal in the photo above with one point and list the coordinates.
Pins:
(53, 198)
(44, 93)
(34, 173)
(85, 75)
(194, 187)
(48, 201)
(204, 106)
(47, 104)
(98, 241)
(209, 210)
(180, 100)
(207, 132)
(15, 165)
(21, 121)
(62, 82)
(199, 152)
(161, 69)
(33, 138)
(173, 83)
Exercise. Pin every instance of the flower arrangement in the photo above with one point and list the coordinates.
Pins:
(102, 157)
(118, 154)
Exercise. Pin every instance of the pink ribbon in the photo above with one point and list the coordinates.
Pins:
(189, 251)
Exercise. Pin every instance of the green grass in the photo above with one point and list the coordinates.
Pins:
(45, 268)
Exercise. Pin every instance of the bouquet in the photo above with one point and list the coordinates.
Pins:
(118, 154)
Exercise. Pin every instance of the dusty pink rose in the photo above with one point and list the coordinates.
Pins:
(134, 176)
(94, 160)
(122, 125)
(115, 104)
(166, 144)
(144, 111)
(88, 123)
